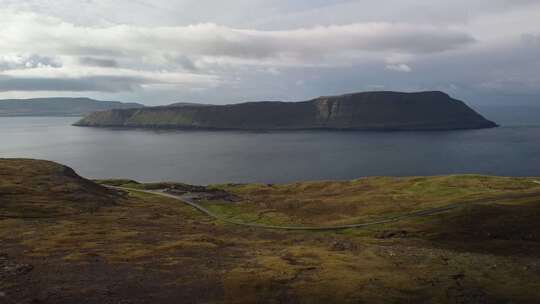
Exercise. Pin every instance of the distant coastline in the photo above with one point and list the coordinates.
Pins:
(58, 106)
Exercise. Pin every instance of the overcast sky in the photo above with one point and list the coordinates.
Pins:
(162, 51)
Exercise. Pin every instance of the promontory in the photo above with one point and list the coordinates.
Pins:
(59, 106)
(377, 111)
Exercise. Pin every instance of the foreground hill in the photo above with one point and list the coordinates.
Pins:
(58, 106)
(362, 111)
(140, 247)
(30, 188)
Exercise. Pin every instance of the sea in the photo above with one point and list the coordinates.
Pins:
(210, 157)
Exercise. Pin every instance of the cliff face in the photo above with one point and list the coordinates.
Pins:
(392, 110)
(362, 111)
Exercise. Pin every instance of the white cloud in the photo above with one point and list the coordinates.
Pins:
(190, 54)
(26, 61)
(402, 67)
(160, 49)
(273, 71)
(51, 35)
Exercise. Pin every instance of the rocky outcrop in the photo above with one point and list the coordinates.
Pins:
(358, 111)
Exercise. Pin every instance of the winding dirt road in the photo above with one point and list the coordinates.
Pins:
(189, 200)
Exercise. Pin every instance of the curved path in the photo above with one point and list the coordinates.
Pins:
(187, 199)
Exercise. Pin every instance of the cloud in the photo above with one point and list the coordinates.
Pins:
(267, 13)
(99, 62)
(159, 50)
(531, 40)
(73, 78)
(92, 83)
(180, 55)
(185, 62)
(26, 61)
(399, 67)
(52, 35)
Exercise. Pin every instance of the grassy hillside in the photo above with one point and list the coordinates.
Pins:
(144, 248)
(346, 202)
(30, 188)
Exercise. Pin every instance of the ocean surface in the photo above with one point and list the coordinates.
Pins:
(204, 157)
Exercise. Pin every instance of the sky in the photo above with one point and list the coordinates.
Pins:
(160, 51)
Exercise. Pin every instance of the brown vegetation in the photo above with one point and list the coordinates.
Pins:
(141, 248)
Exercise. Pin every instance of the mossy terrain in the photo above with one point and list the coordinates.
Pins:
(31, 188)
(347, 202)
(137, 247)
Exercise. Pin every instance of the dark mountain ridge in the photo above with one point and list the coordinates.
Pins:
(357, 111)
(59, 106)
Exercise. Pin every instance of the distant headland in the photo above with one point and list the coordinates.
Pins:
(59, 106)
(374, 111)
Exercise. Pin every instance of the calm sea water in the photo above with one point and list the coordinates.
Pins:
(203, 157)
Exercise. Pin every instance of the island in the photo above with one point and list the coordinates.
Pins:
(377, 111)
